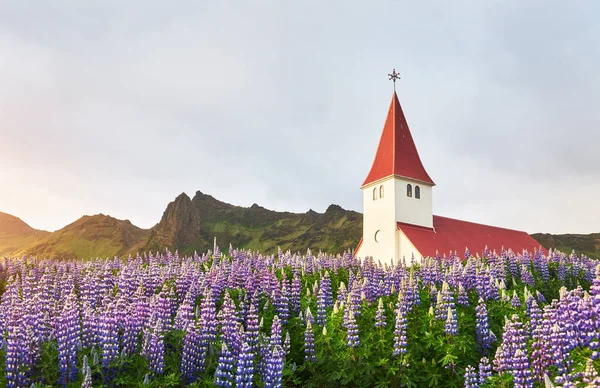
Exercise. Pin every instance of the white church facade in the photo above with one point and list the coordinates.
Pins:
(398, 219)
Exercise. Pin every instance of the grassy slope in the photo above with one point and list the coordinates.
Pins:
(587, 244)
(15, 233)
(90, 237)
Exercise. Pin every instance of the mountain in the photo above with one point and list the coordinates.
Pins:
(587, 244)
(15, 233)
(191, 224)
(89, 237)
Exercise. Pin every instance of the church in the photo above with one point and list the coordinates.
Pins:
(398, 219)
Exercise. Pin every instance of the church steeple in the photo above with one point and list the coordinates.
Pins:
(397, 154)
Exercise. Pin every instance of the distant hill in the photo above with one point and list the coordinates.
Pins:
(189, 225)
(15, 234)
(89, 237)
(587, 244)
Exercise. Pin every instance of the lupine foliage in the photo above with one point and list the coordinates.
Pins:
(244, 319)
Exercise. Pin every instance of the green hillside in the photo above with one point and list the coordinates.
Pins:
(15, 234)
(89, 237)
(587, 244)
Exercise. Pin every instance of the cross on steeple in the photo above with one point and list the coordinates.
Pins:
(394, 76)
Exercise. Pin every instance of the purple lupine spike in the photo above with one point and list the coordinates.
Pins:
(153, 347)
(353, 339)
(185, 313)
(321, 305)
(276, 338)
(208, 318)
(540, 297)
(309, 317)
(485, 370)
(485, 337)
(244, 372)
(228, 322)
(15, 351)
(511, 355)
(193, 353)
(463, 298)
(283, 305)
(515, 302)
(224, 372)
(274, 368)
(108, 337)
(471, 380)
(451, 324)
(252, 329)
(326, 287)
(380, 315)
(400, 331)
(68, 338)
(296, 291)
(309, 343)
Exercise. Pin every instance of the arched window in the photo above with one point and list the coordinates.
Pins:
(381, 191)
(417, 192)
(374, 193)
(409, 190)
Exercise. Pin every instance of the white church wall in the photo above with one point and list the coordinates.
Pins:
(412, 210)
(407, 249)
(379, 217)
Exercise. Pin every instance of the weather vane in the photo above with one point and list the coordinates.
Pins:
(394, 76)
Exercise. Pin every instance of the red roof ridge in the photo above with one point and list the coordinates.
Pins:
(480, 224)
(396, 153)
(405, 225)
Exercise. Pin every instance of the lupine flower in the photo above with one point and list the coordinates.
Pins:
(286, 343)
(245, 367)
(485, 370)
(224, 372)
(321, 306)
(274, 368)
(15, 352)
(400, 332)
(511, 355)
(87, 377)
(463, 298)
(471, 380)
(153, 347)
(275, 332)
(485, 337)
(309, 343)
(68, 338)
(193, 353)
(515, 302)
(353, 339)
(380, 315)
(252, 329)
(451, 325)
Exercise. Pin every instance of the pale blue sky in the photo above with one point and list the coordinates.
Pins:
(116, 109)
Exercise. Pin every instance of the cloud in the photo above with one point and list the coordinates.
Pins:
(117, 107)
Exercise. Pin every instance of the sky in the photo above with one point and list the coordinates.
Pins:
(116, 107)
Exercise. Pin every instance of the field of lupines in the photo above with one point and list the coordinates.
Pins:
(245, 320)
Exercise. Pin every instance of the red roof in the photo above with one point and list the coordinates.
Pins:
(455, 235)
(397, 153)
(358, 247)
